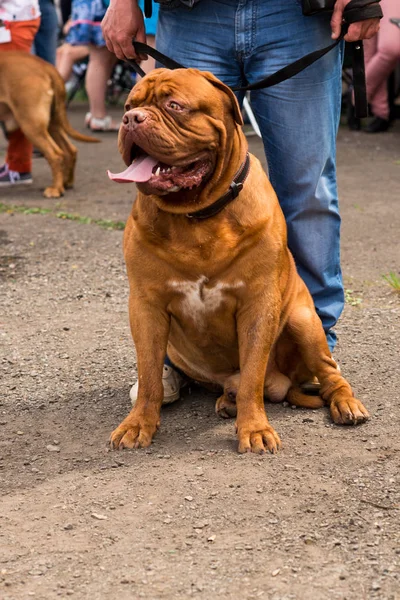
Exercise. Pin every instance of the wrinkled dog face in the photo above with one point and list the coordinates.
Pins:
(171, 134)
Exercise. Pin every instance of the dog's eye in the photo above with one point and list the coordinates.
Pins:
(174, 105)
(127, 107)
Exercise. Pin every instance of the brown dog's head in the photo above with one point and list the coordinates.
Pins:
(177, 128)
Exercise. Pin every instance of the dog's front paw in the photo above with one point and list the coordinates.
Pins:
(133, 432)
(258, 438)
(348, 411)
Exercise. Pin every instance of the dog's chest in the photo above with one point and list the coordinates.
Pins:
(198, 300)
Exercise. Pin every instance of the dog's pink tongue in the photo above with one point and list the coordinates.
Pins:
(139, 171)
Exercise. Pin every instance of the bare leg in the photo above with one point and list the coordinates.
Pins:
(100, 66)
(67, 55)
(149, 64)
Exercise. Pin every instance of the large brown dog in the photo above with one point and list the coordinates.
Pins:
(32, 97)
(220, 295)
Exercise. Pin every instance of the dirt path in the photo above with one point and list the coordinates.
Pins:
(189, 516)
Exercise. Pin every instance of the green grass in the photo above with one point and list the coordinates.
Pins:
(393, 280)
(26, 210)
(349, 298)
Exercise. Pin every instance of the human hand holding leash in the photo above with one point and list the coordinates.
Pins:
(122, 22)
(360, 30)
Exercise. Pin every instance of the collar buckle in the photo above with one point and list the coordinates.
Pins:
(235, 189)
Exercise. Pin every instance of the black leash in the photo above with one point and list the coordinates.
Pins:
(360, 93)
(356, 10)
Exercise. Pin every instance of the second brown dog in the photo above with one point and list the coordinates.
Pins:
(32, 97)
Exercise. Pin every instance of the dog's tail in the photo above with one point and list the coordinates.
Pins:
(297, 398)
(59, 113)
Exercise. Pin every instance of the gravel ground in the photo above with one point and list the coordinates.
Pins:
(188, 517)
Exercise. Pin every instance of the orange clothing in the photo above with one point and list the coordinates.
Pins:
(19, 153)
(22, 35)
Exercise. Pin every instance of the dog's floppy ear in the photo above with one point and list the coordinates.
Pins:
(235, 104)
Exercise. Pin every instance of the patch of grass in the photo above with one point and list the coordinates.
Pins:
(393, 280)
(349, 298)
(26, 210)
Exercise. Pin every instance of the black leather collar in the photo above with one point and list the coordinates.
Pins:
(234, 189)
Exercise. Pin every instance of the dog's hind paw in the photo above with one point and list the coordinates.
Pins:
(225, 407)
(52, 192)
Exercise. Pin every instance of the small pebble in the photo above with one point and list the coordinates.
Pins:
(375, 586)
(52, 448)
(200, 525)
(99, 517)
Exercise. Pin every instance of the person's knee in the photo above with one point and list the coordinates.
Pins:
(390, 51)
(70, 52)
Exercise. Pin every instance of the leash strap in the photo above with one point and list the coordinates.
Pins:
(148, 8)
(285, 73)
(142, 48)
(356, 10)
(359, 82)
(293, 68)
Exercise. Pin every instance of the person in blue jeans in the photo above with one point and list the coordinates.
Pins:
(47, 35)
(241, 42)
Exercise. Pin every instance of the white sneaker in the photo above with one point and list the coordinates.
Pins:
(105, 124)
(172, 383)
(88, 118)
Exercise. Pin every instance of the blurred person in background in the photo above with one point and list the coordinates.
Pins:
(47, 35)
(19, 22)
(67, 54)
(382, 52)
(85, 30)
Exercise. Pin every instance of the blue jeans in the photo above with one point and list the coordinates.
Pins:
(47, 35)
(243, 41)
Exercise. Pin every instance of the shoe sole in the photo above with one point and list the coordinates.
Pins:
(9, 184)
